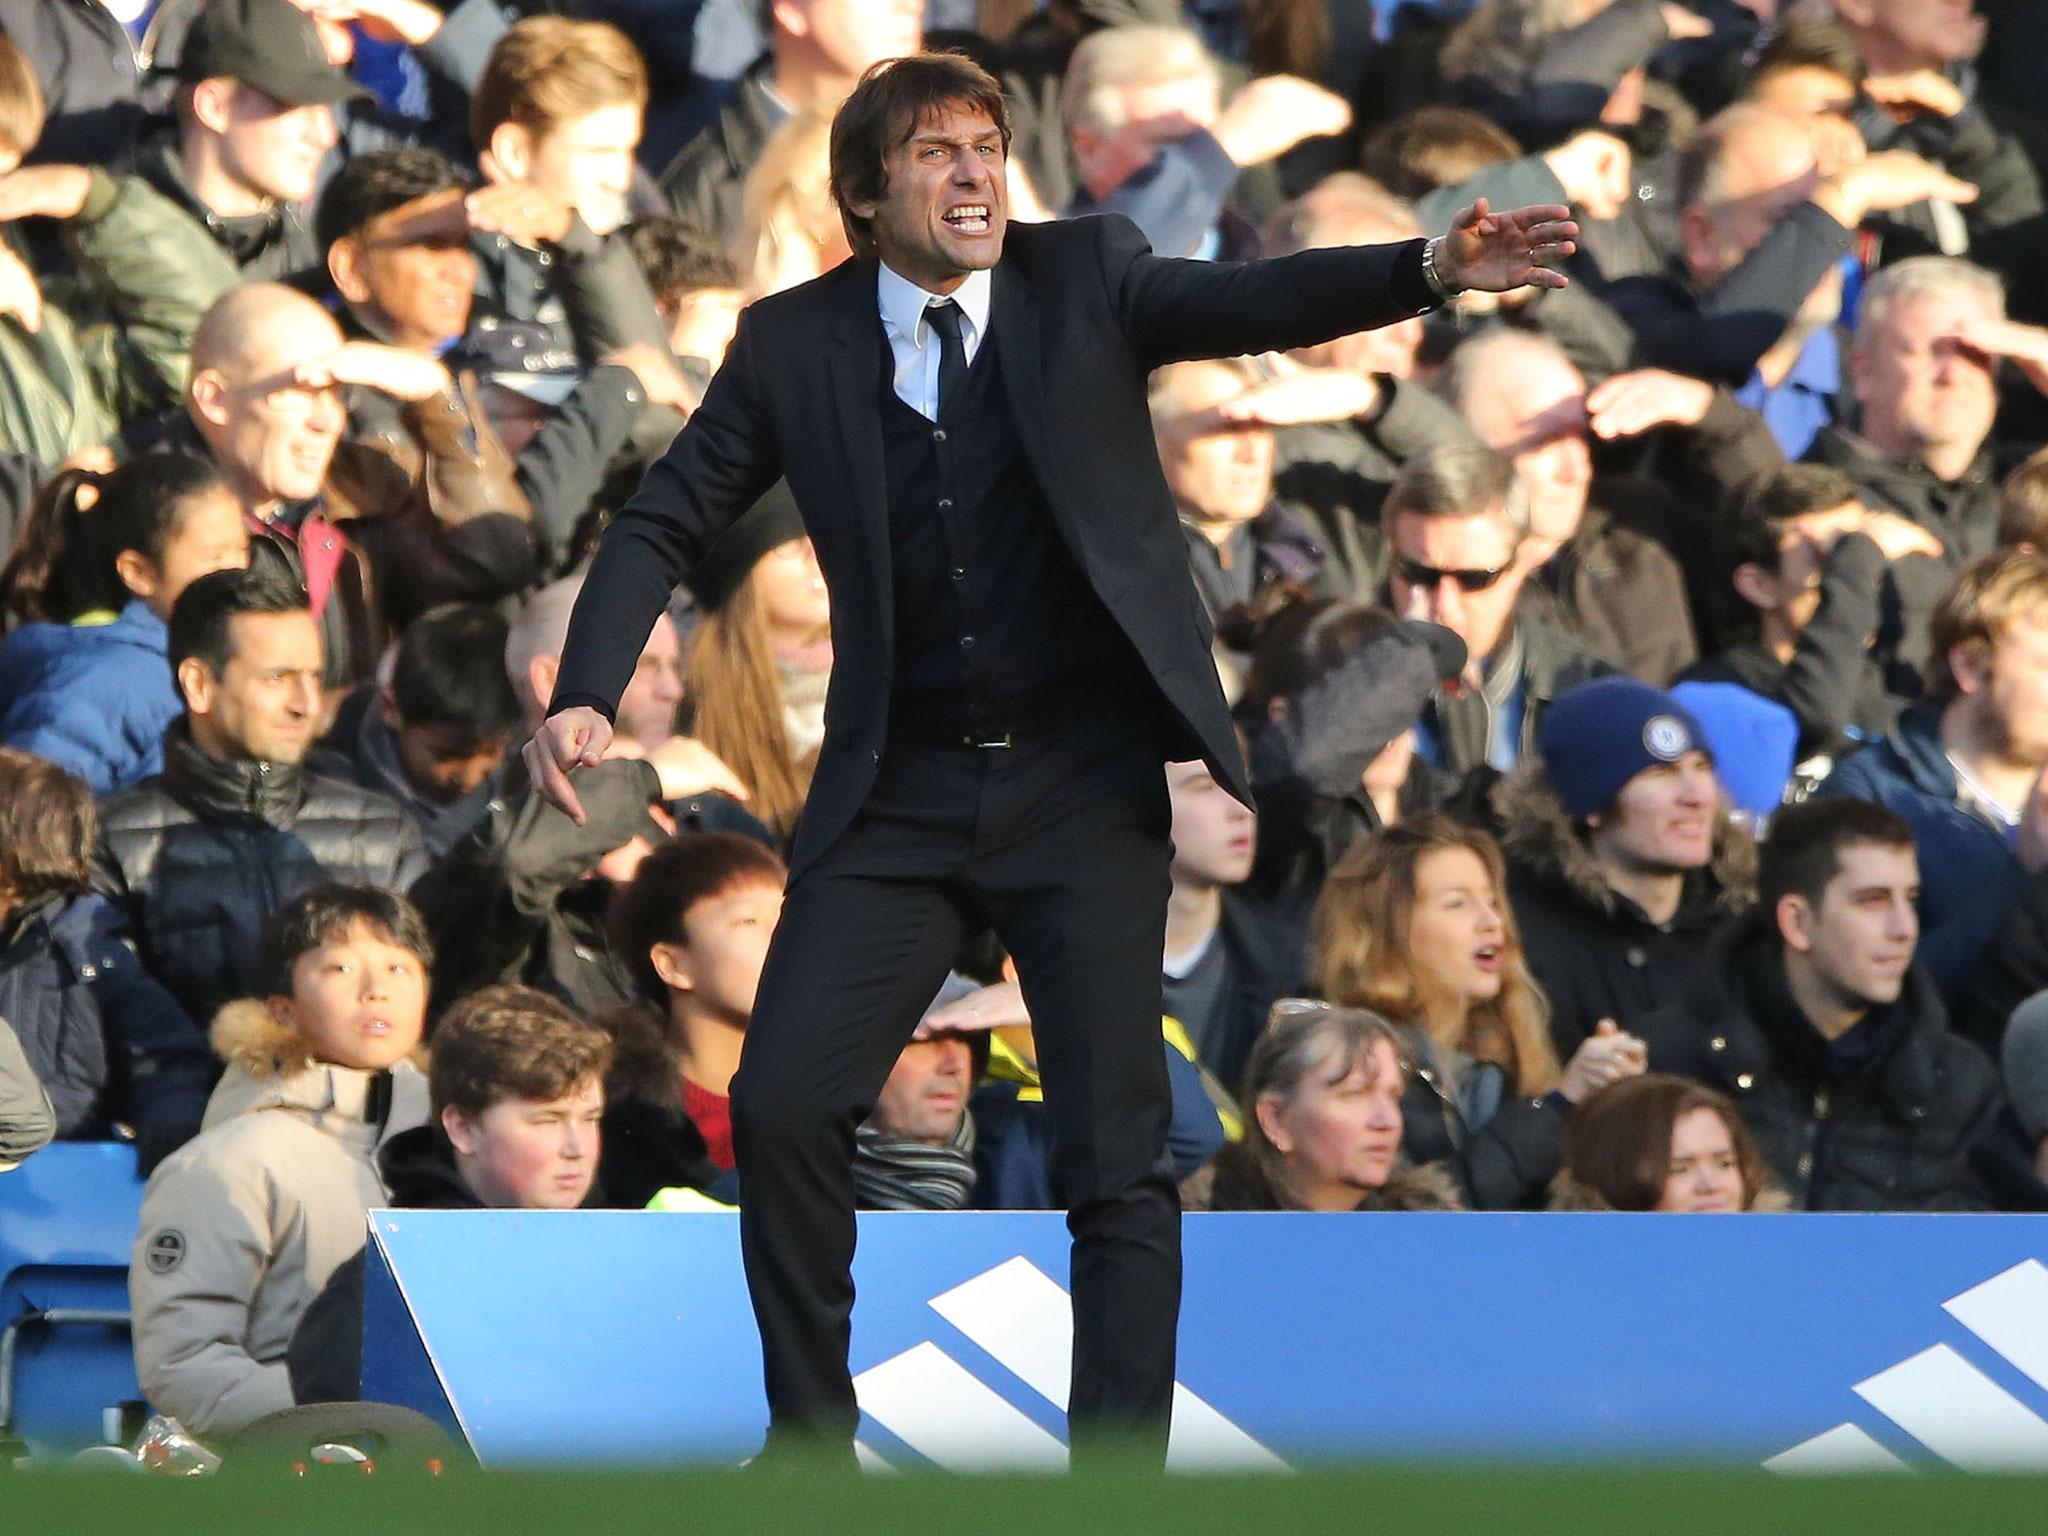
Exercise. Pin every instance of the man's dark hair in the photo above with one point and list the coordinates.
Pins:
(1804, 850)
(326, 913)
(1807, 42)
(450, 671)
(893, 97)
(512, 1042)
(368, 186)
(200, 617)
(1797, 490)
(676, 257)
(674, 878)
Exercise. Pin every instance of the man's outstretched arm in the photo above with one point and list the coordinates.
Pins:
(1175, 310)
(717, 467)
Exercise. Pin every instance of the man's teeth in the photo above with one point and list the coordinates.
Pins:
(973, 214)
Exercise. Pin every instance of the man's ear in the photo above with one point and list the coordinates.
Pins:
(791, 17)
(511, 149)
(671, 963)
(208, 393)
(213, 103)
(345, 266)
(461, 1131)
(1796, 923)
(1695, 235)
(1969, 663)
(541, 673)
(387, 707)
(196, 683)
(1756, 586)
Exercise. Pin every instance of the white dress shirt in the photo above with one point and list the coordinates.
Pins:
(912, 341)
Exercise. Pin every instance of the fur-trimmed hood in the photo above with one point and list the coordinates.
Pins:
(1539, 838)
(1233, 1183)
(270, 1067)
(1570, 1193)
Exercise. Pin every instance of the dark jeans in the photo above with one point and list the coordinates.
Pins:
(1059, 843)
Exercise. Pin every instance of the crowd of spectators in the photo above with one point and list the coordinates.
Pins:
(1644, 683)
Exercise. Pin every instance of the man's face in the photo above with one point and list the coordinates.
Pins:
(1483, 542)
(926, 1093)
(1921, 34)
(2013, 690)
(725, 944)
(850, 35)
(1220, 473)
(415, 273)
(445, 762)
(945, 206)
(647, 708)
(587, 162)
(1533, 409)
(1214, 837)
(265, 704)
(273, 149)
(1921, 388)
(531, 1154)
(359, 1000)
(1862, 936)
(1155, 113)
(1768, 169)
(273, 436)
(1663, 819)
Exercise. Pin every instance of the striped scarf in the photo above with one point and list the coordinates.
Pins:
(891, 1174)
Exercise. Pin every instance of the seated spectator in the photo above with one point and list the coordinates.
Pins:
(759, 662)
(242, 1228)
(817, 52)
(1812, 1015)
(1432, 147)
(435, 738)
(646, 714)
(1811, 564)
(693, 927)
(516, 1094)
(1661, 1143)
(27, 1123)
(696, 290)
(1415, 926)
(1753, 742)
(1961, 767)
(1932, 334)
(110, 340)
(2023, 504)
(1617, 590)
(789, 230)
(85, 673)
(1455, 520)
(255, 120)
(109, 1045)
(197, 857)
(1152, 139)
(1220, 472)
(1623, 867)
(2023, 1068)
(1322, 1122)
(915, 1150)
(1228, 955)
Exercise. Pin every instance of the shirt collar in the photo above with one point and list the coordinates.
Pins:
(903, 303)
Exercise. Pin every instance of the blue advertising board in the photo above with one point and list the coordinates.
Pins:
(1796, 1342)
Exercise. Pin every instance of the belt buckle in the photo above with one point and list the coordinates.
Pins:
(993, 741)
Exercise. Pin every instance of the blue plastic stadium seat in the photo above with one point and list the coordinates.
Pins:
(67, 1223)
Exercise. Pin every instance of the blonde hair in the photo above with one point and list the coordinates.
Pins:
(1364, 957)
(789, 224)
(549, 70)
(23, 109)
(734, 701)
(1989, 594)
(1115, 57)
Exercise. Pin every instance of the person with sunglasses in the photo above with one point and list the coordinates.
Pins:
(1454, 520)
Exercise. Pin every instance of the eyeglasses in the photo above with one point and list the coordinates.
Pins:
(1416, 574)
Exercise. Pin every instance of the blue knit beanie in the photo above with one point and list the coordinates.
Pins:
(1754, 741)
(1599, 735)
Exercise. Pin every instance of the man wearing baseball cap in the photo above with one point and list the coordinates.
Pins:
(1623, 866)
(255, 119)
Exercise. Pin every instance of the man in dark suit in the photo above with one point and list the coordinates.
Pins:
(1019, 650)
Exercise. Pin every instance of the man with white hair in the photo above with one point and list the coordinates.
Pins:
(1143, 107)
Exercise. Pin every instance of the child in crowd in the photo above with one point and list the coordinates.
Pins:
(1661, 1143)
(243, 1227)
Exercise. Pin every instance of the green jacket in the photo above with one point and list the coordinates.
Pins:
(115, 337)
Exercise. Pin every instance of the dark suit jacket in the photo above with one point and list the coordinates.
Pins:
(1081, 313)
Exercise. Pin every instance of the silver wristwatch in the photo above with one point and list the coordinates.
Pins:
(1443, 290)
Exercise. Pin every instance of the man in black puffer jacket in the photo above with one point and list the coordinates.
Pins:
(1812, 1016)
(198, 856)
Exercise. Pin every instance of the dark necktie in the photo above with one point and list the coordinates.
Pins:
(944, 317)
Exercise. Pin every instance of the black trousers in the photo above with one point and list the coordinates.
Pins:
(1059, 843)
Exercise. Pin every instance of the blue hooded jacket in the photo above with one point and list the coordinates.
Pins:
(95, 699)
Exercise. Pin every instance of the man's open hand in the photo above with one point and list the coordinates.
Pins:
(1497, 252)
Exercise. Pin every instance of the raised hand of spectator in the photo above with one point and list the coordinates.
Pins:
(1605, 1056)
(44, 191)
(389, 370)
(1596, 171)
(687, 768)
(2026, 346)
(518, 210)
(1884, 182)
(1681, 23)
(412, 22)
(20, 295)
(1273, 114)
(658, 374)
(1897, 537)
(1631, 403)
(1296, 394)
(1914, 92)
(996, 1007)
(1499, 252)
(575, 738)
